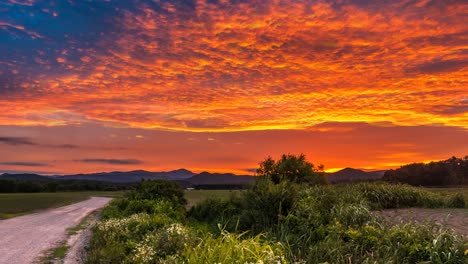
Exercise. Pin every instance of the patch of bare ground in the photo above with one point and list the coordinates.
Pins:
(455, 219)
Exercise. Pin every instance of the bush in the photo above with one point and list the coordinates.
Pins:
(457, 201)
(125, 234)
(157, 190)
(266, 203)
(214, 211)
(352, 214)
(138, 228)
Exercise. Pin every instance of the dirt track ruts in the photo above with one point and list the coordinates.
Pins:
(24, 238)
(455, 219)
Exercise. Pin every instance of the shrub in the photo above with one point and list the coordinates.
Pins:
(158, 189)
(352, 214)
(457, 201)
(154, 207)
(157, 246)
(214, 211)
(114, 209)
(172, 240)
(266, 203)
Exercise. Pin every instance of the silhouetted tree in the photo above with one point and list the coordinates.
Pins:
(293, 169)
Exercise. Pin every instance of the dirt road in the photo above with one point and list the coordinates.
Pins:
(24, 238)
(455, 219)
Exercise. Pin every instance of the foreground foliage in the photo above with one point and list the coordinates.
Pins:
(275, 222)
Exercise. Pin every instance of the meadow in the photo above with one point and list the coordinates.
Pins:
(281, 222)
(16, 204)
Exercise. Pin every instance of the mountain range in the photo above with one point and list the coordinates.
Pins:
(187, 177)
(130, 176)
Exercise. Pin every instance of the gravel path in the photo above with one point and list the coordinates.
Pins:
(455, 219)
(24, 238)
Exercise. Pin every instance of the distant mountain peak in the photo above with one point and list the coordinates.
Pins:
(352, 175)
(349, 169)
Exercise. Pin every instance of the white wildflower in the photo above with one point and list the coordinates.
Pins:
(143, 253)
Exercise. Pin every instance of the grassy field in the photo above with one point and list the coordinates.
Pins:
(15, 204)
(195, 196)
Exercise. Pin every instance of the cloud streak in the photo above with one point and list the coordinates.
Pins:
(112, 161)
(17, 141)
(24, 164)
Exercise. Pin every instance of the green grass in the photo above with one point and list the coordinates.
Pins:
(16, 204)
(56, 254)
(195, 196)
(452, 193)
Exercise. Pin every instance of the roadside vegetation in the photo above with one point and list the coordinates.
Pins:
(290, 215)
(16, 204)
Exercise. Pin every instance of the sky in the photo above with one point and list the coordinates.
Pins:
(219, 85)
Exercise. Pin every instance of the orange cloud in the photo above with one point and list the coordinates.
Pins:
(260, 65)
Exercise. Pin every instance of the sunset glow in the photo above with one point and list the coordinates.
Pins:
(219, 85)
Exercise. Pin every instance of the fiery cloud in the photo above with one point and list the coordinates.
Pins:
(245, 65)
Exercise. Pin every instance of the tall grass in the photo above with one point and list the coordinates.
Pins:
(386, 196)
(233, 248)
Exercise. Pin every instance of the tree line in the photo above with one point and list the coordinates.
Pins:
(30, 186)
(453, 171)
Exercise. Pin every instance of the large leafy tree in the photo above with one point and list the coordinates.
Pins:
(292, 168)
